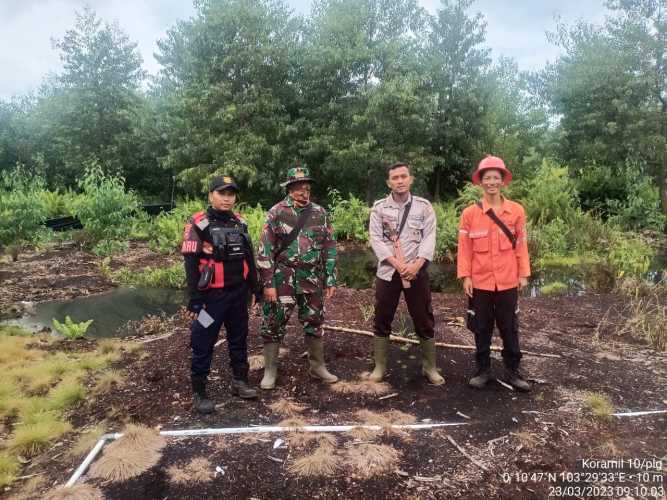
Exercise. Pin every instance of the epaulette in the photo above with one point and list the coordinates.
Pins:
(420, 199)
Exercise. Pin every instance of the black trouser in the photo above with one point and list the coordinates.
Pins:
(502, 308)
(417, 297)
(228, 307)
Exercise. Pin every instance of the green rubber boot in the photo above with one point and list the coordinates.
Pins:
(318, 369)
(270, 365)
(428, 362)
(380, 349)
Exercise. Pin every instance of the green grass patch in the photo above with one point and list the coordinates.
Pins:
(66, 394)
(30, 439)
(163, 277)
(600, 405)
(14, 331)
(555, 288)
(567, 260)
(37, 389)
(9, 467)
(96, 362)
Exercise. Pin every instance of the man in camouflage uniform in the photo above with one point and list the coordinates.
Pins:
(301, 273)
(405, 223)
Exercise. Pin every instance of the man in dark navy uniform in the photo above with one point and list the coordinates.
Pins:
(222, 279)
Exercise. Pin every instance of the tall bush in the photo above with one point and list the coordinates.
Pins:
(105, 209)
(166, 232)
(551, 194)
(349, 217)
(22, 211)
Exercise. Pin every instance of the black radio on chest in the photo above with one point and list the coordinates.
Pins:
(228, 243)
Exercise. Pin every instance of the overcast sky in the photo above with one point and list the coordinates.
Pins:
(516, 28)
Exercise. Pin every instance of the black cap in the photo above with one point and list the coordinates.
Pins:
(222, 182)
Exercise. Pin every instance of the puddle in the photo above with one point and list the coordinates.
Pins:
(109, 311)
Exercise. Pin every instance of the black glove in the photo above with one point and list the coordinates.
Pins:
(196, 304)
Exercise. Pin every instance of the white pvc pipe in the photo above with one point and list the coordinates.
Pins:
(88, 460)
(639, 413)
(247, 430)
(306, 428)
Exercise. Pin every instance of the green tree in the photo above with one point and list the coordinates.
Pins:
(610, 88)
(517, 123)
(93, 109)
(361, 89)
(229, 89)
(457, 64)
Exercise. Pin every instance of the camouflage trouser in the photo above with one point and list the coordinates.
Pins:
(277, 314)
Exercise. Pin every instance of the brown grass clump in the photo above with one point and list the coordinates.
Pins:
(371, 418)
(368, 460)
(76, 492)
(608, 449)
(219, 443)
(400, 418)
(293, 424)
(363, 434)
(121, 462)
(365, 387)
(286, 408)
(198, 470)
(386, 420)
(141, 437)
(302, 439)
(322, 462)
(253, 438)
(526, 439)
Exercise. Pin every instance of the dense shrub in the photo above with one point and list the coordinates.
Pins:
(349, 217)
(550, 195)
(22, 211)
(447, 233)
(106, 208)
(166, 232)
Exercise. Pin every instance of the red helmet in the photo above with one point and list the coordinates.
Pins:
(488, 163)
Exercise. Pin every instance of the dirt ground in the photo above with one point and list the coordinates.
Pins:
(512, 440)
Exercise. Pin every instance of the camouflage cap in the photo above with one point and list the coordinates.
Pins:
(297, 173)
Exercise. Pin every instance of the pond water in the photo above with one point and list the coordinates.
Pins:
(109, 311)
(112, 310)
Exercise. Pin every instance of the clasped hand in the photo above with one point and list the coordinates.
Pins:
(410, 270)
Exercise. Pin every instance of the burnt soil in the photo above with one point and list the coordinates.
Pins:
(549, 430)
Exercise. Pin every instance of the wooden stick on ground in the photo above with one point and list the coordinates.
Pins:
(404, 340)
(465, 453)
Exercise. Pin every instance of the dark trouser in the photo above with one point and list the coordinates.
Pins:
(417, 297)
(228, 307)
(502, 308)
